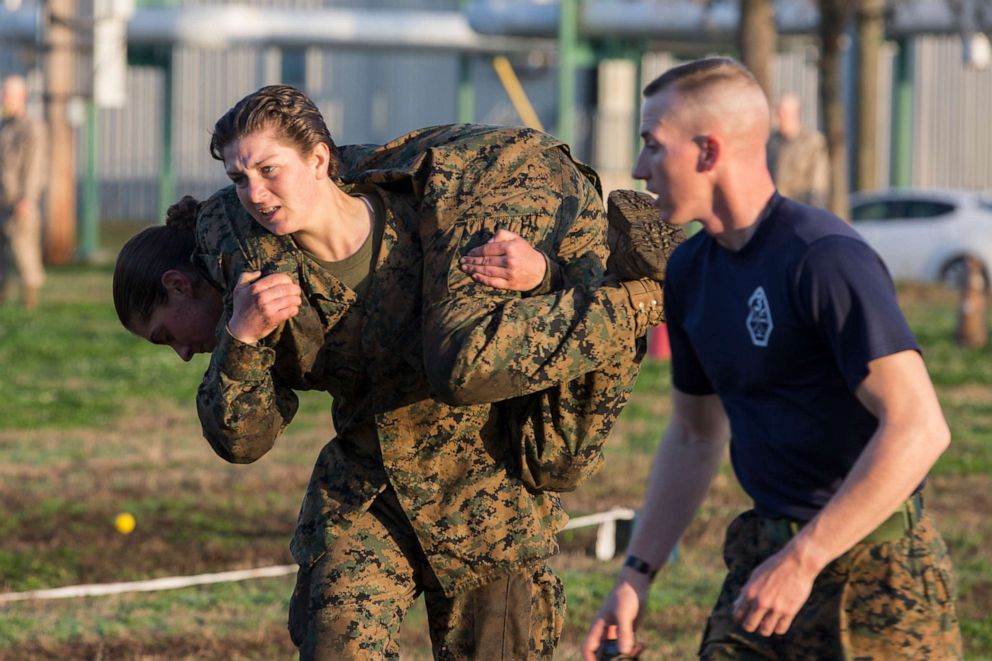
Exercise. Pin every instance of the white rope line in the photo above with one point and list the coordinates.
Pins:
(176, 582)
(170, 583)
(615, 514)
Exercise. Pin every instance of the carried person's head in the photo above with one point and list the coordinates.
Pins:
(700, 121)
(278, 152)
(159, 294)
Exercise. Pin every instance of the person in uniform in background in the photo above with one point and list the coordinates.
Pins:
(797, 156)
(362, 271)
(787, 342)
(22, 180)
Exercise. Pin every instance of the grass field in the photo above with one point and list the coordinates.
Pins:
(94, 422)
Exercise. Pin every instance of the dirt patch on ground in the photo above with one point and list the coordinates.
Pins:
(195, 513)
(272, 643)
(163, 544)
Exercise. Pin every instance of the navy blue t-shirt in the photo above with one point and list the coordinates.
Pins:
(783, 331)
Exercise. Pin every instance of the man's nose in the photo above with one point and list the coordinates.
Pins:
(640, 170)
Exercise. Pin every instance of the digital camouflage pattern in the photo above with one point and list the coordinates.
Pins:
(422, 368)
(882, 601)
(800, 166)
(514, 617)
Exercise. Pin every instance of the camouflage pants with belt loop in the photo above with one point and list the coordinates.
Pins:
(351, 603)
(882, 601)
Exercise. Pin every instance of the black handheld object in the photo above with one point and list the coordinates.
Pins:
(610, 651)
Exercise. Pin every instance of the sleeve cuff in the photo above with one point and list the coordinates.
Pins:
(243, 362)
(554, 278)
(623, 308)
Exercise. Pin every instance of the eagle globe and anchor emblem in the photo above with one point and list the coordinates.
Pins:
(759, 318)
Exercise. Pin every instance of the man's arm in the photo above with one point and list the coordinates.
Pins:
(684, 465)
(911, 435)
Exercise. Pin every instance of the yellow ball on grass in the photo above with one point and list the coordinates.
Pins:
(124, 522)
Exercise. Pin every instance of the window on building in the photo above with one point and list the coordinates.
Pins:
(293, 70)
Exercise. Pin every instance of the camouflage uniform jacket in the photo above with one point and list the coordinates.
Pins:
(22, 160)
(416, 366)
(800, 166)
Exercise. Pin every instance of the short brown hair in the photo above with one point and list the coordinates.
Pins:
(697, 74)
(288, 111)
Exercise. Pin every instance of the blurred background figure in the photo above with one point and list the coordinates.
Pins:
(797, 156)
(21, 183)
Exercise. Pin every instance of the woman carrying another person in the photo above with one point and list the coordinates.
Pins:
(457, 407)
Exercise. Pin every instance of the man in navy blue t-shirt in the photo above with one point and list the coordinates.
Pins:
(787, 341)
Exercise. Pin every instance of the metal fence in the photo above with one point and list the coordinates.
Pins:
(372, 97)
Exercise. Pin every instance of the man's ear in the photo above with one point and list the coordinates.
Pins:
(177, 283)
(709, 152)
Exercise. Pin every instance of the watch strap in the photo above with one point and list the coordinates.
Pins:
(640, 566)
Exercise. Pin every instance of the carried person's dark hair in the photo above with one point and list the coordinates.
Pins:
(149, 254)
(286, 110)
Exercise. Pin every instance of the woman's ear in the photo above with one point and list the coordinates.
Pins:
(320, 157)
(177, 283)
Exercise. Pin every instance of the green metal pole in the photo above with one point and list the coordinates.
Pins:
(638, 58)
(89, 240)
(466, 91)
(465, 95)
(568, 37)
(167, 176)
(901, 170)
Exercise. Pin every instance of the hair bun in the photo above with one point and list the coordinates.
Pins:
(182, 214)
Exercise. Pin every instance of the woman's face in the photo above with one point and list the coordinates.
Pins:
(276, 184)
(188, 318)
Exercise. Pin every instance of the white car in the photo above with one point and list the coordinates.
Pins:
(926, 234)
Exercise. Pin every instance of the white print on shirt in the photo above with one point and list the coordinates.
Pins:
(759, 319)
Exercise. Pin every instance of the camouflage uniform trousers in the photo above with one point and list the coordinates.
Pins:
(22, 238)
(888, 600)
(351, 603)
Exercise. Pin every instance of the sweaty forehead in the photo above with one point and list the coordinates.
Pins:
(253, 148)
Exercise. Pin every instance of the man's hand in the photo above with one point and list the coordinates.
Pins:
(622, 610)
(774, 593)
(506, 261)
(261, 304)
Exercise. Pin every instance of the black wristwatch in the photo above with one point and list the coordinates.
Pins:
(640, 566)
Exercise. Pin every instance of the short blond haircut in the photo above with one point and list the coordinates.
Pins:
(716, 90)
(697, 75)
